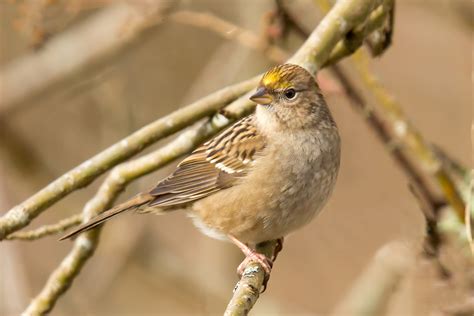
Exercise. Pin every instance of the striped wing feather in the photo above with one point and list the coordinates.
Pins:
(214, 166)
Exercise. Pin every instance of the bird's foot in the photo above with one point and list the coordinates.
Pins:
(265, 262)
(252, 255)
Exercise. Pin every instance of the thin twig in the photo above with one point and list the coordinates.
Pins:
(231, 32)
(47, 230)
(21, 215)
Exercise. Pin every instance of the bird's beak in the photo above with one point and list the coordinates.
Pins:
(261, 96)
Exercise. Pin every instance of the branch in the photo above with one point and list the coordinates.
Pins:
(343, 18)
(373, 290)
(84, 246)
(411, 139)
(108, 32)
(247, 290)
(231, 32)
(357, 36)
(430, 202)
(47, 230)
(22, 214)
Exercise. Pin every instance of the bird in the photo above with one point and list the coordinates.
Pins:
(264, 177)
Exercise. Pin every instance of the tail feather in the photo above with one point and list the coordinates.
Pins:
(133, 203)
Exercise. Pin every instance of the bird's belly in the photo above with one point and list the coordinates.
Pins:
(274, 203)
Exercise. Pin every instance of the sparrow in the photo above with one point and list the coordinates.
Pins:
(262, 178)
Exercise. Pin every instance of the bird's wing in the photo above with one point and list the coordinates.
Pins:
(214, 166)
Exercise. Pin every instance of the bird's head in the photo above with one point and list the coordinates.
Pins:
(289, 95)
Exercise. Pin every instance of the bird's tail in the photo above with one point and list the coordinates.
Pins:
(133, 203)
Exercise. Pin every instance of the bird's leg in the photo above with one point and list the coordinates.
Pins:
(251, 255)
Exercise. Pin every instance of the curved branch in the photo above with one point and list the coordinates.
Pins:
(84, 246)
(21, 215)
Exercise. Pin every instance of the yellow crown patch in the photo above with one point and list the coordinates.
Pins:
(275, 79)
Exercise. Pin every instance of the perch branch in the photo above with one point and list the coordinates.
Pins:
(247, 290)
(84, 246)
(92, 42)
(21, 215)
(47, 230)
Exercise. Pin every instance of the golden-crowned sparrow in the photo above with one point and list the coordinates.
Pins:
(262, 178)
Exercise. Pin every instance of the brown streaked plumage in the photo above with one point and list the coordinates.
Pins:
(262, 178)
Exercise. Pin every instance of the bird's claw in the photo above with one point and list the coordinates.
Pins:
(265, 262)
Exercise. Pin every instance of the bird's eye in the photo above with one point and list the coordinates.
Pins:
(290, 93)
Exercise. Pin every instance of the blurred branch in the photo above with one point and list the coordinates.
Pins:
(247, 290)
(409, 137)
(373, 290)
(430, 203)
(92, 42)
(47, 230)
(231, 32)
(84, 246)
(381, 38)
(401, 133)
(21, 215)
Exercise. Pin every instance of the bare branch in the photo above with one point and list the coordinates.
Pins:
(231, 32)
(47, 230)
(108, 32)
(357, 36)
(84, 246)
(247, 290)
(405, 133)
(343, 18)
(21, 215)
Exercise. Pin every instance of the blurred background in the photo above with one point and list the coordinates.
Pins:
(148, 265)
